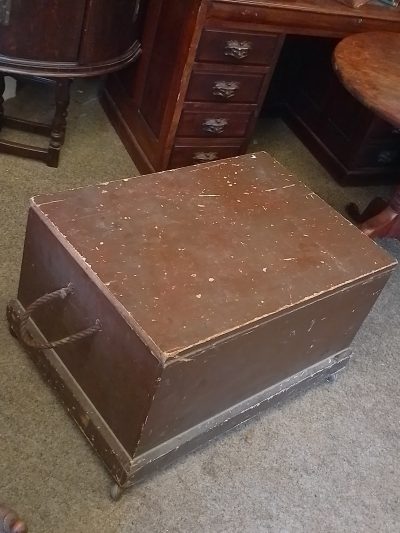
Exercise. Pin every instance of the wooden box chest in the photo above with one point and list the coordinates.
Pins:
(203, 293)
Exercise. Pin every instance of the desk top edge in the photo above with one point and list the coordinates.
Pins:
(328, 7)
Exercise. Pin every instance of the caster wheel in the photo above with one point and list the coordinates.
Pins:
(9, 521)
(13, 320)
(12, 331)
(116, 492)
(332, 378)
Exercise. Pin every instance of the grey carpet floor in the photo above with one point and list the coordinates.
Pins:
(327, 461)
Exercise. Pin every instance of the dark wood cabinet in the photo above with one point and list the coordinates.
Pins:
(67, 37)
(61, 40)
(42, 30)
(214, 60)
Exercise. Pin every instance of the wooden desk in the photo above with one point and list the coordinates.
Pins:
(196, 93)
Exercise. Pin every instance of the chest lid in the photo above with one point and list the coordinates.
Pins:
(196, 253)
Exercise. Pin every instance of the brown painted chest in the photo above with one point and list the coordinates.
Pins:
(203, 294)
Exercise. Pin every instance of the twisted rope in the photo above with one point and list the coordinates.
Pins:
(23, 324)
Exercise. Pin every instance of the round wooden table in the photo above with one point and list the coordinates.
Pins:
(368, 65)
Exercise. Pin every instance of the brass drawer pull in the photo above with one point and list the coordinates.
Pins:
(136, 11)
(238, 49)
(214, 125)
(59, 294)
(5, 10)
(203, 157)
(225, 89)
(386, 157)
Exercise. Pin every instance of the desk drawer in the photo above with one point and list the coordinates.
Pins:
(237, 47)
(206, 86)
(192, 153)
(311, 17)
(214, 123)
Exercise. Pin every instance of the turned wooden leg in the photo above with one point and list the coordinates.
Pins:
(373, 208)
(2, 89)
(395, 201)
(57, 134)
(10, 522)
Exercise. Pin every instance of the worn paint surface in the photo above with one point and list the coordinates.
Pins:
(196, 252)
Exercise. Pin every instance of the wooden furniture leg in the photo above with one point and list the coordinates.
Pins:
(373, 208)
(57, 133)
(2, 89)
(10, 522)
(395, 201)
(380, 218)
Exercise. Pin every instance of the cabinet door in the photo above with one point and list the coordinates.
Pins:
(110, 29)
(43, 30)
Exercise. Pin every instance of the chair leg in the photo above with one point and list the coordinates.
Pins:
(58, 127)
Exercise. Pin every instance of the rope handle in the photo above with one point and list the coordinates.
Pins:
(23, 324)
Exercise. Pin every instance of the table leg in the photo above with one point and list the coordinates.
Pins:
(395, 201)
(2, 89)
(59, 125)
(380, 218)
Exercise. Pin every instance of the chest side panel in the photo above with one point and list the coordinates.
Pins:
(113, 368)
